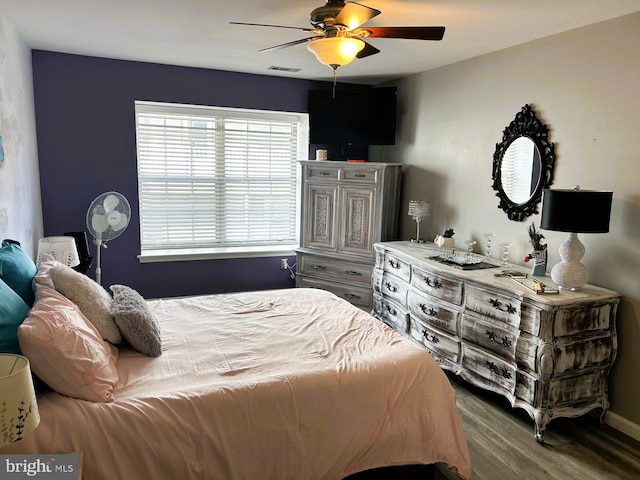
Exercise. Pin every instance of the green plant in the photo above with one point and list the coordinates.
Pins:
(535, 238)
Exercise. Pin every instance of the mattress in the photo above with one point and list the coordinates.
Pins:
(281, 384)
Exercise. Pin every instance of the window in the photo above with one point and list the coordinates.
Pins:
(217, 181)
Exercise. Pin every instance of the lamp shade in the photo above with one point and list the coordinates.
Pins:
(577, 211)
(335, 51)
(18, 406)
(63, 249)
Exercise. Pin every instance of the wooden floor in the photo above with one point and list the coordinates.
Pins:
(502, 444)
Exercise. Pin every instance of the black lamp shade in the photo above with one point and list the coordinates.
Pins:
(576, 211)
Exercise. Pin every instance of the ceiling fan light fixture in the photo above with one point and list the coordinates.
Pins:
(335, 51)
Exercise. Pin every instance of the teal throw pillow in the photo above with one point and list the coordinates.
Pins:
(13, 311)
(17, 270)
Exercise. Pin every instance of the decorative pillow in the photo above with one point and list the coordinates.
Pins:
(93, 300)
(65, 350)
(13, 311)
(17, 270)
(43, 275)
(137, 324)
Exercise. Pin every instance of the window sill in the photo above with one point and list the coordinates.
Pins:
(194, 254)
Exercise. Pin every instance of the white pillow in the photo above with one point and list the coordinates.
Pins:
(93, 300)
(65, 350)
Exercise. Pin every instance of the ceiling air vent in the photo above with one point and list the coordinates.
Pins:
(283, 69)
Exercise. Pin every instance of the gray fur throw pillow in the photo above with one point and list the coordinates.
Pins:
(92, 300)
(138, 325)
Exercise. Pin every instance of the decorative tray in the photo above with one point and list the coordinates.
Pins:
(462, 260)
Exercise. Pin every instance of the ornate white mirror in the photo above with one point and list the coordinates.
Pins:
(523, 165)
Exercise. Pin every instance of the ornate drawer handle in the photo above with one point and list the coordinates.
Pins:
(391, 287)
(432, 283)
(392, 311)
(324, 174)
(360, 175)
(497, 304)
(318, 267)
(494, 369)
(394, 263)
(352, 295)
(353, 273)
(503, 342)
(432, 312)
(430, 337)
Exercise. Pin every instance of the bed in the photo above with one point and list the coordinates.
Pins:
(282, 384)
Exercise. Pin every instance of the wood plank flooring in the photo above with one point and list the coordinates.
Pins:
(503, 447)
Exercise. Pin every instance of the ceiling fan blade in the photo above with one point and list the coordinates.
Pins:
(367, 51)
(353, 15)
(304, 29)
(412, 33)
(288, 44)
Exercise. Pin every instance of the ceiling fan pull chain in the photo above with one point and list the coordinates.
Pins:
(334, 81)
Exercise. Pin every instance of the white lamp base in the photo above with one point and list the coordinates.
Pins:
(570, 274)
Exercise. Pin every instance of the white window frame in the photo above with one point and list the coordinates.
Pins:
(268, 151)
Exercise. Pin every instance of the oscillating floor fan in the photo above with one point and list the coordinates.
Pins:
(107, 217)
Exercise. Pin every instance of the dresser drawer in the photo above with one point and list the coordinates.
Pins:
(390, 313)
(432, 312)
(595, 352)
(395, 288)
(575, 389)
(434, 340)
(492, 369)
(341, 270)
(531, 318)
(571, 321)
(437, 285)
(361, 297)
(319, 172)
(494, 336)
(526, 388)
(493, 305)
(360, 175)
(397, 266)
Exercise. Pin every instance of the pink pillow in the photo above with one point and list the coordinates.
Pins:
(43, 275)
(65, 350)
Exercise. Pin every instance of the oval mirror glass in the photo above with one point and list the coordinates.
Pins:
(520, 170)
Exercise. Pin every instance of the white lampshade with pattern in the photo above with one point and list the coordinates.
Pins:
(18, 407)
(63, 249)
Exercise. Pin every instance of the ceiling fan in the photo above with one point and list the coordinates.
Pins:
(339, 37)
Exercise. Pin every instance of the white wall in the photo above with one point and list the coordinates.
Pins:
(20, 203)
(584, 85)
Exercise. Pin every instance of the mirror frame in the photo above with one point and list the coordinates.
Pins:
(525, 124)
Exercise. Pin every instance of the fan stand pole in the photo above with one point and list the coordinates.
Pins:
(98, 268)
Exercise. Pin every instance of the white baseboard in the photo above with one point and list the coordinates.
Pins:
(622, 424)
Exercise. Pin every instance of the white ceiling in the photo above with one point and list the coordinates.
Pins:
(197, 33)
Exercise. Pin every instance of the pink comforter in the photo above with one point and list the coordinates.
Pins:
(284, 384)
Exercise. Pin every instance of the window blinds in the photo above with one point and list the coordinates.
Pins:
(213, 177)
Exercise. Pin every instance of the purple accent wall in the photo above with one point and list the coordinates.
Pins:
(86, 146)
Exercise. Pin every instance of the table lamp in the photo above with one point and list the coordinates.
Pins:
(18, 406)
(63, 249)
(419, 210)
(574, 211)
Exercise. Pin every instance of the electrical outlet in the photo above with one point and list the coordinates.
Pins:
(284, 264)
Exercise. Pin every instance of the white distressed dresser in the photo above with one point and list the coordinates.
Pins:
(346, 208)
(549, 354)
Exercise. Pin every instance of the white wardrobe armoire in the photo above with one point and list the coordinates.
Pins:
(345, 208)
